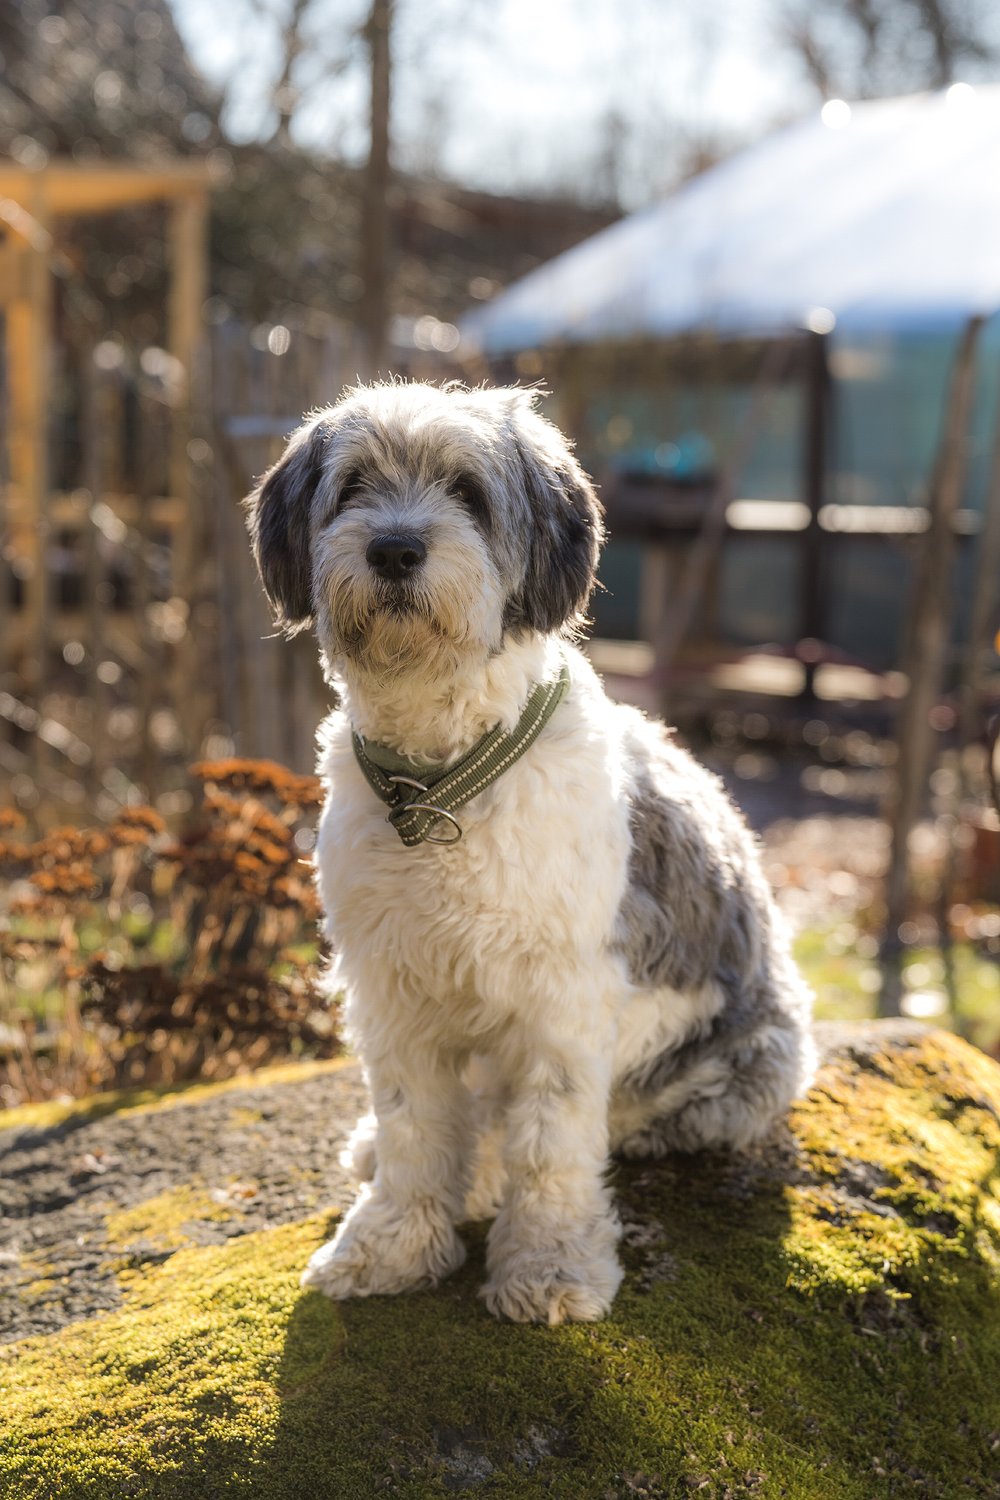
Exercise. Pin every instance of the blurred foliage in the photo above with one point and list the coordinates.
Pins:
(106, 78)
(112, 81)
(107, 81)
(863, 49)
(132, 957)
(957, 986)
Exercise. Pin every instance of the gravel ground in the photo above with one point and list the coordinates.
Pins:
(263, 1155)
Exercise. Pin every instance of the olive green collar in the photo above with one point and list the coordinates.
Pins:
(419, 794)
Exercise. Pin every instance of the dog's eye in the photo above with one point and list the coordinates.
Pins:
(468, 492)
(349, 489)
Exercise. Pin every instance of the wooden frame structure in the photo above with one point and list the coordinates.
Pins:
(31, 203)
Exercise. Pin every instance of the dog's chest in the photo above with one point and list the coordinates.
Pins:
(536, 879)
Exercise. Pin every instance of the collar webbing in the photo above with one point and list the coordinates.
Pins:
(419, 796)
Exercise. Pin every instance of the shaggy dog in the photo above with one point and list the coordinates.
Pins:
(585, 957)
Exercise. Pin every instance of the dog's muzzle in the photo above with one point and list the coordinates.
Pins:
(395, 556)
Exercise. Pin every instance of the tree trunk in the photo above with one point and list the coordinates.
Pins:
(375, 207)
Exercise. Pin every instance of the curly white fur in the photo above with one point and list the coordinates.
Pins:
(597, 964)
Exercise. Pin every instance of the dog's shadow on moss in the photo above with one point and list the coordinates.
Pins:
(716, 1370)
(428, 1394)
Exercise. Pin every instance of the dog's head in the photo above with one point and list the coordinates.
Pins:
(410, 517)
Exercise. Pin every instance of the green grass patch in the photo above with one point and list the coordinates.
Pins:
(958, 987)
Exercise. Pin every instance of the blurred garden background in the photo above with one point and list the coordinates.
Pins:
(752, 253)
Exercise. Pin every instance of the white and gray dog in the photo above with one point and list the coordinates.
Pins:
(574, 950)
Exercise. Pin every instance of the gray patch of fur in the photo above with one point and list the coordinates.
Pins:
(696, 907)
(698, 910)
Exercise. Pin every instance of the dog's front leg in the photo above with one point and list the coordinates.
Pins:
(551, 1254)
(399, 1234)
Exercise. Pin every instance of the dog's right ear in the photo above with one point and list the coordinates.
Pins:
(278, 513)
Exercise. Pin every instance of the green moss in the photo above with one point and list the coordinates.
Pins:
(819, 1324)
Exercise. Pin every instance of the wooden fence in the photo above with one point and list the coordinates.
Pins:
(148, 642)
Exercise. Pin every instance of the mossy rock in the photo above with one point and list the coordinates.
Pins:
(819, 1320)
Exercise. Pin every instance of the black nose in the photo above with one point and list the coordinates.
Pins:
(396, 555)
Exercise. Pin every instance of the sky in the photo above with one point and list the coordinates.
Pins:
(515, 94)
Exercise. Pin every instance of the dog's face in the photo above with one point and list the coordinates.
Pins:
(408, 520)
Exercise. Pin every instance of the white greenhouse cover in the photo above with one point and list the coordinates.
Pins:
(887, 215)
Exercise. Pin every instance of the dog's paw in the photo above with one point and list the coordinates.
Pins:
(380, 1249)
(535, 1287)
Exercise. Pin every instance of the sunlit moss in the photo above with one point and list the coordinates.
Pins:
(161, 1222)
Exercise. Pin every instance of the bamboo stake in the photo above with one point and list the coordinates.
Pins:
(95, 478)
(150, 663)
(985, 596)
(927, 644)
(972, 671)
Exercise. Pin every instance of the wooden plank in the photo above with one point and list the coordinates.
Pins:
(374, 239)
(76, 187)
(150, 673)
(188, 262)
(30, 338)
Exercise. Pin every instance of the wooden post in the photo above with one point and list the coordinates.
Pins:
(29, 338)
(930, 610)
(9, 273)
(188, 252)
(657, 569)
(812, 615)
(188, 261)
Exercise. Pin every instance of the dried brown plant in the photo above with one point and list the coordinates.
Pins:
(133, 955)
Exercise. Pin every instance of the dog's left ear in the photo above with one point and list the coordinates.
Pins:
(567, 528)
(277, 514)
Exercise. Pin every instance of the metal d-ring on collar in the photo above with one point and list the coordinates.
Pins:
(392, 776)
(442, 812)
